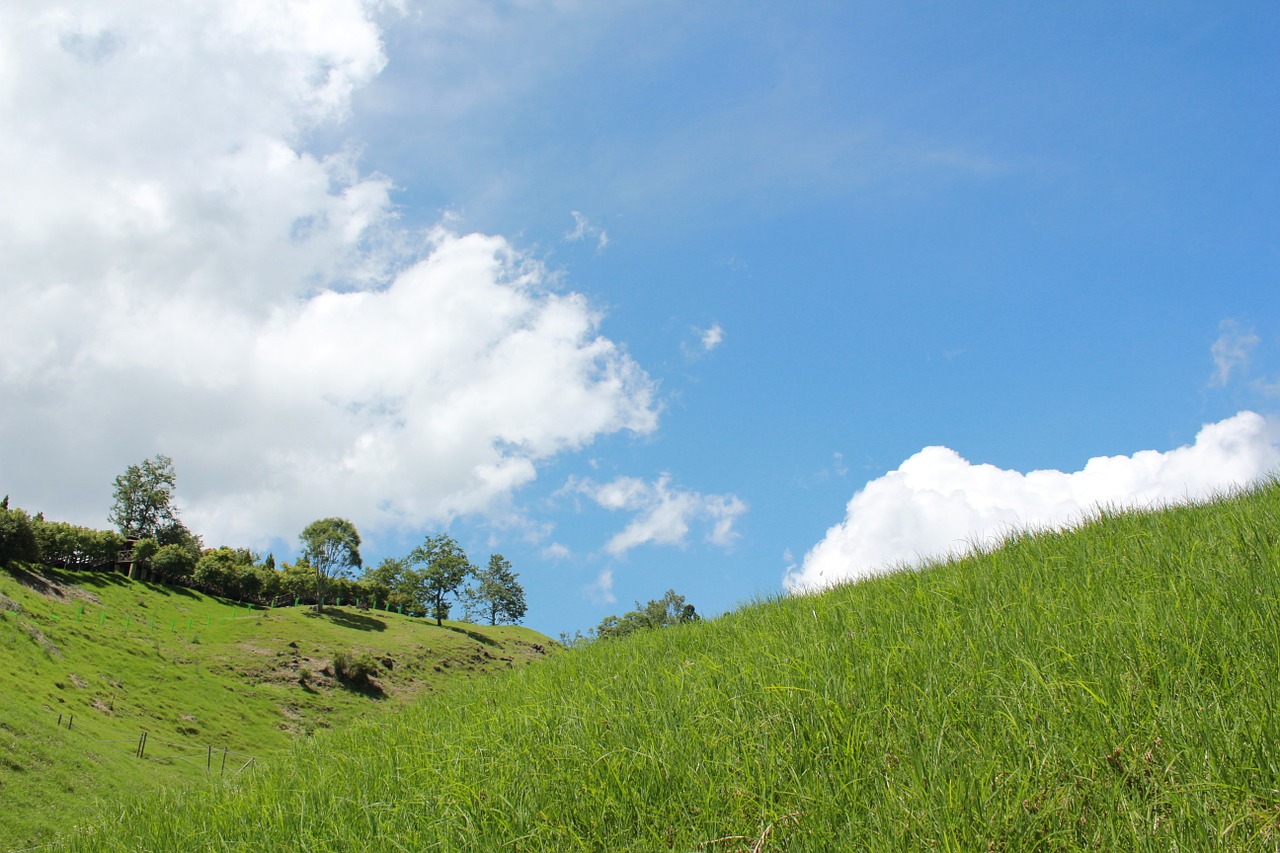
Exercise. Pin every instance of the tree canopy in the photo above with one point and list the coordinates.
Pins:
(444, 568)
(332, 547)
(144, 500)
(671, 609)
(497, 594)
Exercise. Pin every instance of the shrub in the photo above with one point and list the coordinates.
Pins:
(17, 538)
(173, 563)
(69, 546)
(354, 668)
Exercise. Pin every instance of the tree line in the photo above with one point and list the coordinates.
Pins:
(156, 545)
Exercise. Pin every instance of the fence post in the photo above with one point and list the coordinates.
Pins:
(142, 745)
(70, 720)
(208, 763)
(224, 760)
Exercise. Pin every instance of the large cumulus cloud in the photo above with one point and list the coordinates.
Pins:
(937, 503)
(187, 271)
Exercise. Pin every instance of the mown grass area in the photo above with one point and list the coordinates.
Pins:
(92, 660)
(1111, 688)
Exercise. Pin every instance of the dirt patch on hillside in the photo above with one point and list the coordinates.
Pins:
(38, 635)
(51, 587)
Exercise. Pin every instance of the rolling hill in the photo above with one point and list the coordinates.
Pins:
(1110, 687)
(92, 661)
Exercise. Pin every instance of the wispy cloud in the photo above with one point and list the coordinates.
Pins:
(1232, 350)
(937, 503)
(664, 513)
(556, 551)
(600, 591)
(583, 229)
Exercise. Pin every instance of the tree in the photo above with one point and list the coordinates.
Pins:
(144, 550)
(497, 594)
(385, 583)
(173, 563)
(444, 568)
(144, 500)
(17, 536)
(332, 547)
(671, 609)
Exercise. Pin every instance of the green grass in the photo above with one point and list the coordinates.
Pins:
(91, 660)
(1110, 688)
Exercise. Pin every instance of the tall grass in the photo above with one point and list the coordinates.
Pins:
(1112, 688)
(97, 659)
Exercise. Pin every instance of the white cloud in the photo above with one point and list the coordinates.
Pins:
(1232, 350)
(664, 512)
(556, 551)
(583, 228)
(183, 275)
(601, 590)
(937, 503)
(701, 341)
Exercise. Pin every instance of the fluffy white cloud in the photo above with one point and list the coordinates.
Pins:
(183, 275)
(937, 503)
(712, 338)
(663, 512)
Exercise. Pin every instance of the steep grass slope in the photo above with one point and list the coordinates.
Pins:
(1111, 688)
(89, 661)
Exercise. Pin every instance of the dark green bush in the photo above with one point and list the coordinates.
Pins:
(72, 547)
(17, 537)
(173, 563)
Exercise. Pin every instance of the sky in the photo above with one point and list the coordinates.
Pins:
(734, 298)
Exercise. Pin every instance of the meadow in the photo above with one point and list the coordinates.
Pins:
(92, 661)
(1111, 687)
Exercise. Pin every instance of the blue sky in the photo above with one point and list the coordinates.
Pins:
(640, 295)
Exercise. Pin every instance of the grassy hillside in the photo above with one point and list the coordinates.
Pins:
(91, 660)
(1112, 688)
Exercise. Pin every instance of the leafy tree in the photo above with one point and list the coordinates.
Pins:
(72, 547)
(173, 563)
(229, 572)
(17, 536)
(444, 568)
(497, 594)
(144, 551)
(298, 579)
(332, 547)
(144, 500)
(671, 609)
(387, 583)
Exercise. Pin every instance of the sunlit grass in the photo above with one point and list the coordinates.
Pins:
(98, 659)
(1108, 688)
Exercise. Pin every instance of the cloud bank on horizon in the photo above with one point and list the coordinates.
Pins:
(186, 275)
(937, 504)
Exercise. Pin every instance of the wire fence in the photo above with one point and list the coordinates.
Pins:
(212, 759)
